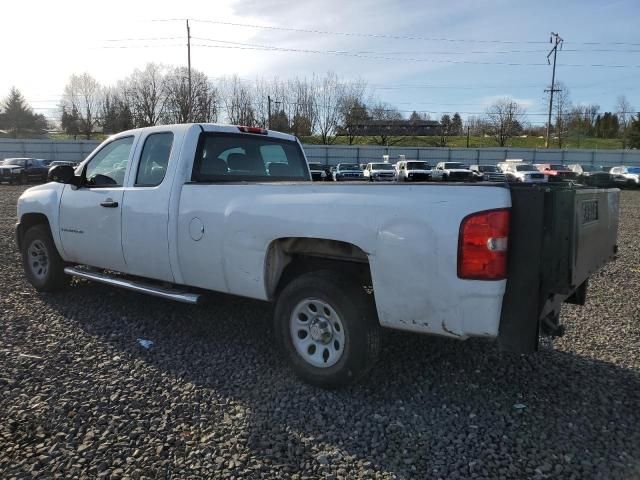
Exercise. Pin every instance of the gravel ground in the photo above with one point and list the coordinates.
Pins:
(212, 398)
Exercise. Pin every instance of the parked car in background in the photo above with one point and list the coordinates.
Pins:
(487, 173)
(317, 172)
(521, 172)
(23, 170)
(591, 175)
(379, 172)
(347, 171)
(626, 176)
(413, 171)
(556, 172)
(451, 172)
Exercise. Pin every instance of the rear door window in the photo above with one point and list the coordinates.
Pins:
(241, 157)
(154, 159)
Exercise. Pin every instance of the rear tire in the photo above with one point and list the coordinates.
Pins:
(327, 327)
(43, 266)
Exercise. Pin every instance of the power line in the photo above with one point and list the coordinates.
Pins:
(260, 47)
(385, 36)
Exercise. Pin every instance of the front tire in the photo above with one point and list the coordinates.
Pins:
(43, 266)
(326, 325)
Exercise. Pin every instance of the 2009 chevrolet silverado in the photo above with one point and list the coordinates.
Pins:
(179, 211)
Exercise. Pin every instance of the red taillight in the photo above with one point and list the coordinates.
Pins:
(482, 245)
(258, 130)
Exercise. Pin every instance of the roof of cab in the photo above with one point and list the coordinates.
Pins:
(207, 127)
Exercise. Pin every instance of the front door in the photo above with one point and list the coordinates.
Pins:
(90, 215)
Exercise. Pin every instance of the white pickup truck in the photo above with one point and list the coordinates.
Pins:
(180, 211)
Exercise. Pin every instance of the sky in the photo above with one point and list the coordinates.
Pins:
(431, 56)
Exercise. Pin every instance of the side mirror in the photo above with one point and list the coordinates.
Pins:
(62, 174)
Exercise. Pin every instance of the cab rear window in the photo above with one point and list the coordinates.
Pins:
(223, 157)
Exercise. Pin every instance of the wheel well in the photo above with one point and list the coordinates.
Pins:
(29, 220)
(288, 258)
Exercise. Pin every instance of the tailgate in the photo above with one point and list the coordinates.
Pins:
(559, 235)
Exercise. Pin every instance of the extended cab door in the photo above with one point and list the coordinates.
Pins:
(90, 214)
(145, 212)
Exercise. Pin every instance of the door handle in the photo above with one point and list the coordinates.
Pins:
(109, 203)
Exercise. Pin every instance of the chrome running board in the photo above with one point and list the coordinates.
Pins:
(135, 285)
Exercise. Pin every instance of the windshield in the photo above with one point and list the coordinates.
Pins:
(315, 166)
(381, 166)
(633, 169)
(526, 168)
(591, 168)
(449, 165)
(348, 166)
(418, 166)
(487, 168)
(558, 167)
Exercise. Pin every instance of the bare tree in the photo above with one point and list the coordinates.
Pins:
(83, 94)
(304, 116)
(237, 101)
(624, 109)
(115, 113)
(145, 94)
(383, 113)
(353, 110)
(504, 118)
(201, 106)
(329, 94)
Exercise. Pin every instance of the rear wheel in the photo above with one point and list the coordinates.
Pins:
(326, 325)
(43, 266)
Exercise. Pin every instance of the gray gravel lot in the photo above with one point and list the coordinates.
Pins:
(80, 398)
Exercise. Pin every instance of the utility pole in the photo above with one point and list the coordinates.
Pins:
(269, 111)
(189, 69)
(468, 136)
(558, 41)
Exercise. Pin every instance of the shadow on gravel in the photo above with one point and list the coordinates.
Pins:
(431, 407)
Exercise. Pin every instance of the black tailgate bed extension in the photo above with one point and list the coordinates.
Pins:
(559, 235)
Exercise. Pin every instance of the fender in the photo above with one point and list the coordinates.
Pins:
(44, 200)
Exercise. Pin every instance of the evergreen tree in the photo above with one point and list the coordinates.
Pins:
(456, 124)
(18, 118)
(634, 132)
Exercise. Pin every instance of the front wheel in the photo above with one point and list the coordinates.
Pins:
(327, 327)
(43, 266)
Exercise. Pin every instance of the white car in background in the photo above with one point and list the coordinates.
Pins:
(521, 172)
(380, 172)
(413, 171)
(451, 172)
(626, 176)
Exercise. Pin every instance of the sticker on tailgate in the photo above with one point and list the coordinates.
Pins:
(589, 211)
